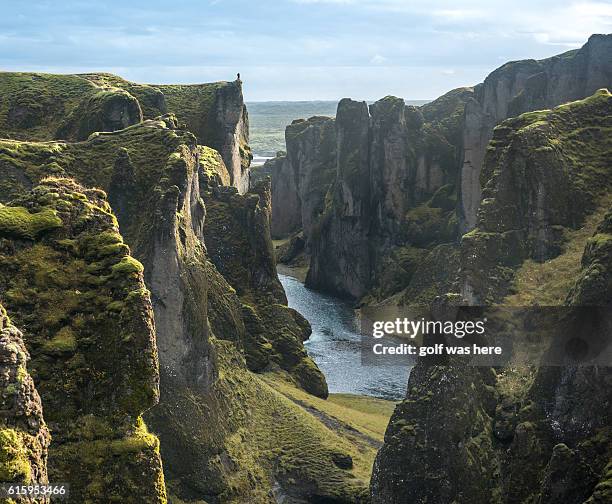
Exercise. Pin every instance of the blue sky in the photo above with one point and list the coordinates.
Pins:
(296, 49)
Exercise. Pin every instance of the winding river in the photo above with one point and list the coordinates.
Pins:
(334, 345)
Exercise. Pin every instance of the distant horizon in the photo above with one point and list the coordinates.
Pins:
(424, 100)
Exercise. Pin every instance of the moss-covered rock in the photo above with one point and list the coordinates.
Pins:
(24, 437)
(71, 107)
(77, 293)
(237, 235)
(544, 172)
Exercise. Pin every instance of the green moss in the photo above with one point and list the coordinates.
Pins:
(267, 436)
(14, 461)
(20, 223)
(63, 341)
(127, 266)
(78, 293)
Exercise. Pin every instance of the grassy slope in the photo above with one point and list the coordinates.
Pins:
(358, 422)
(548, 283)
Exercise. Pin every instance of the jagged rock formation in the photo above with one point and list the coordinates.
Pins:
(170, 200)
(71, 107)
(409, 188)
(24, 437)
(544, 172)
(68, 280)
(217, 116)
(301, 181)
(393, 196)
(516, 435)
(519, 87)
(237, 236)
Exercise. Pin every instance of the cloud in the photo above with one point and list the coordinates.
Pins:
(192, 41)
(379, 60)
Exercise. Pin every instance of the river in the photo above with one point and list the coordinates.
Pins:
(335, 345)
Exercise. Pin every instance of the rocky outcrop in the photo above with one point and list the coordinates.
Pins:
(217, 116)
(517, 434)
(340, 249)
(544, 172)
(519, 87)
(394, 187)
(71, 107)
(24, 437)
(302, 177)
(44, 107)
(237, 235)
(286, 205)
(69, 281)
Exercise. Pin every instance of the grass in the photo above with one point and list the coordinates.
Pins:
(548, 283)
(367, 415)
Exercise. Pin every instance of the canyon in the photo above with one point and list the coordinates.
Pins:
(148, 353)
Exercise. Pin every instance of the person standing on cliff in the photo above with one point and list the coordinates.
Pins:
(238, 75)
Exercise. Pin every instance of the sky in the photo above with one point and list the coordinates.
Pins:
(295, 49)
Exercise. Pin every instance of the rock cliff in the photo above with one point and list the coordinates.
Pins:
(71, 107)
(522, 86)
(69, 281)
(520, 434)
(544, 173)
(393, 196)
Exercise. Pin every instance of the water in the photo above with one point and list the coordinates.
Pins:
(335, 345)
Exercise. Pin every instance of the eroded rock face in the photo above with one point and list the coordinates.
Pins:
(24, 437)
(519, 87)
(42, 107)
(286, 203)
(68, 279)
(543, 174)
(217, 116)
(394, 189)
(237, 235)
(105, 110)
(548, 439)
(340, 250)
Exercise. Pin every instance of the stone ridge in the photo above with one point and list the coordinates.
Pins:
(522, 86)
(88, 325)
(237, 237)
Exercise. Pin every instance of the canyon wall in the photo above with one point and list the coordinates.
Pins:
(409, 187)
(521, 434)
(204, 250)
(518, 87)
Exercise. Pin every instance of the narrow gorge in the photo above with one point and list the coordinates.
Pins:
(177, 326)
